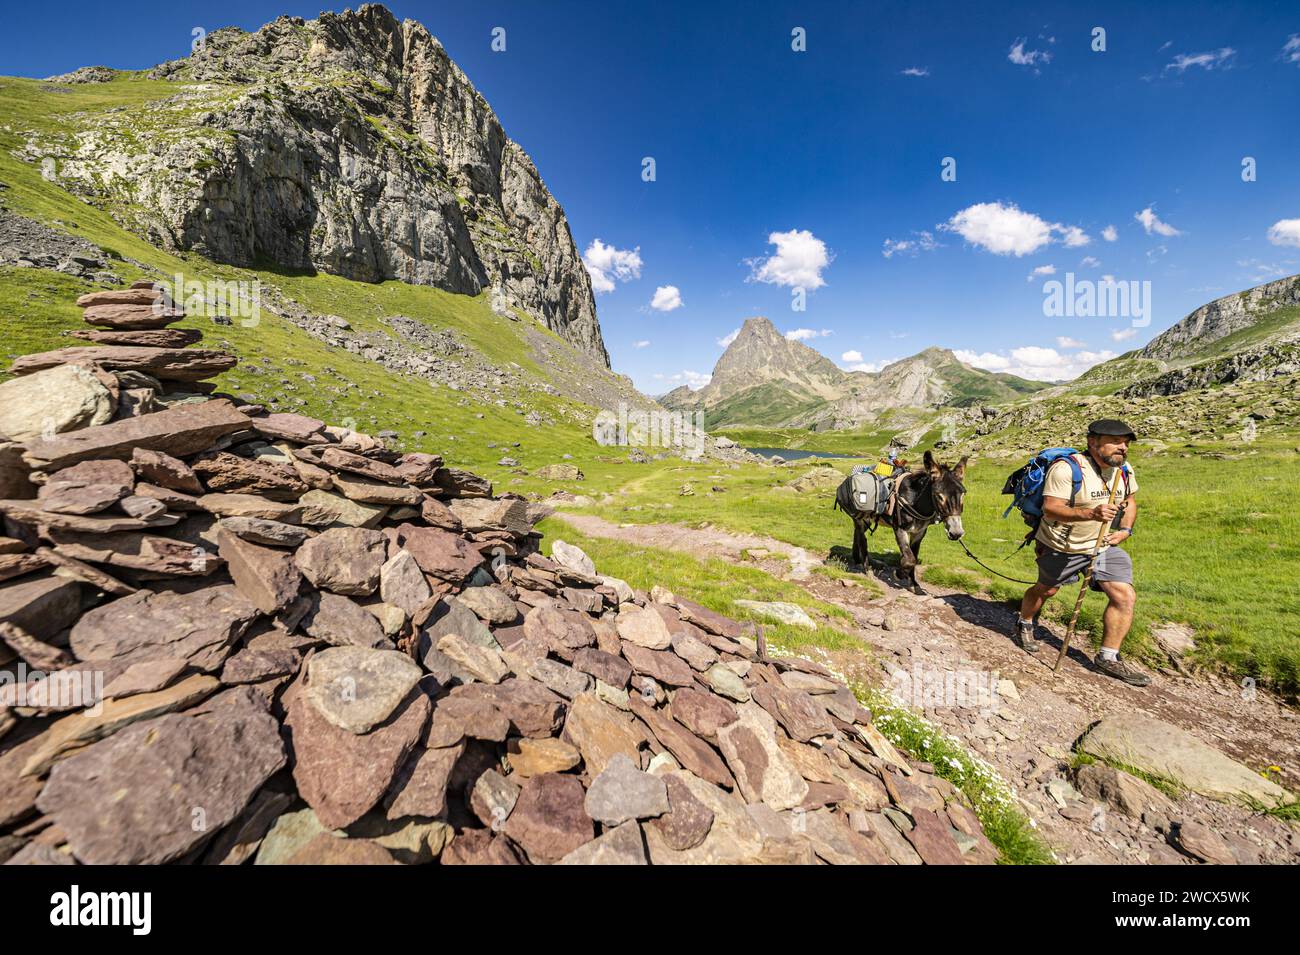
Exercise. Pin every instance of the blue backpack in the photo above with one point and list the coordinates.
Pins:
(1026, 484)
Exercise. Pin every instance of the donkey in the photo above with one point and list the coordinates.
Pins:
(921, 498)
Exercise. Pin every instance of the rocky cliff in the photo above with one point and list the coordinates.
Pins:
(1223, 317)
(759, 355)
(350, 144)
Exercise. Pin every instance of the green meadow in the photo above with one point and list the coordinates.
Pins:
(1217, 548)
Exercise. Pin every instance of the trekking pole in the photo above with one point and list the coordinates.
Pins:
(1087, 578)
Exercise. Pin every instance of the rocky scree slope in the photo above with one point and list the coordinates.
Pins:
(275, 640)
(351, 144)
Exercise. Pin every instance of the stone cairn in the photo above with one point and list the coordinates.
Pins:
(228, 634)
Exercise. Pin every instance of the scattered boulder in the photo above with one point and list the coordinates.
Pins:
(1167, 752)
(559, 472)
(1122, 791)
(791, 615)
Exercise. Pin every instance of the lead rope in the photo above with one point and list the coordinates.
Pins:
(1015, 580)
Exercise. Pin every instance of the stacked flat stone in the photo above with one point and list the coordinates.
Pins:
(276, 641)
(134, 365)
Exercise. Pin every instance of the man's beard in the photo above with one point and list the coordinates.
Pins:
(1115, 460)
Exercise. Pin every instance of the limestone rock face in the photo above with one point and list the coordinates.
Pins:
(1223, 317)
(354, 145)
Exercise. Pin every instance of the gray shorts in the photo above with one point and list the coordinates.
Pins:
(1056, 569)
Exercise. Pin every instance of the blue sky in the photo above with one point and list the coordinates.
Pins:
(837, 152)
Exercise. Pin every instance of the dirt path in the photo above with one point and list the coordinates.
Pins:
(1029, 731)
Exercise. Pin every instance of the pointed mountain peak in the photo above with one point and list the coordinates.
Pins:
(758, 326)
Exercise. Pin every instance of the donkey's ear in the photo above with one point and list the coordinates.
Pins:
(930, 463)
(960, 469)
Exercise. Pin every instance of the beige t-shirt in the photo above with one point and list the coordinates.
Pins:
(1080, 537)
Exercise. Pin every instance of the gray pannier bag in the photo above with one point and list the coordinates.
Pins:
(863, 492)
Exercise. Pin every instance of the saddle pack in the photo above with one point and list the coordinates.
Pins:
(864, 492)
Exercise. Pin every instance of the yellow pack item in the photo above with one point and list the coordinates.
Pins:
(884, 469)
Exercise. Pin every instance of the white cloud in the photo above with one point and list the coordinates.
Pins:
(1001, 229)
(1285, 232)
(1041, 270)
(1036, 356)
(798, 263)
(666, 298)
(1108, 278)
(1074, 236)
(607, 265)
(1110, 233)
(924, 242)
(1022, 57)
(851, 357)
(694, 379)
(1291, 49)
(644, 343)
(916, 71)
(1089, 262)
(871, 367)
(1263, 271)
(803, 334)
(986, 360)
(1065, 341)
(1123, 334)
(1208, 61)
(726, 340)
(1036, 362)
(1153, 224)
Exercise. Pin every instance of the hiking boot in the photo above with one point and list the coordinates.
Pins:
(1121, 671)
(1024, 636)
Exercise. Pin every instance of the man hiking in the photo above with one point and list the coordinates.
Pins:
(1067, 536)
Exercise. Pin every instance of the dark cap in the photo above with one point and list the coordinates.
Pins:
(1112, 426)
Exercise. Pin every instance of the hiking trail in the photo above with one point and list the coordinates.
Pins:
(1029, 735)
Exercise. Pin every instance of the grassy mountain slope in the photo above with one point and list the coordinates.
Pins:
(770, 403)
(974, 386)
(279, 359)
